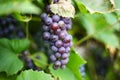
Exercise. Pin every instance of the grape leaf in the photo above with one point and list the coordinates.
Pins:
(22, 6)
(19, 45)
(97, 6)
(40, 60)
(9, 62)
(3, 76)
(34, 75)
(65, 74)
(75, 61)
(63, 8)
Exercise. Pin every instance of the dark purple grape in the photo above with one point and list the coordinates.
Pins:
(54, 48)
(54, 26)
(46, 35)
(43, 16)
(52, 57)
(48, 8)
(58, 43)
(11, 27)
(62, 50)
(56, 18)
(68, 38)
(54, 38)
(48, 21)
(68, 26)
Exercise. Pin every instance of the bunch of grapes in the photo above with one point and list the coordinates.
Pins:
(10, 28)
(55, 33)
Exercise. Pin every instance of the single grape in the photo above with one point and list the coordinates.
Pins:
(62, 35)
(58, 31)
(48, 8)
(48, 21)
(54, 48)
(46, 28)
(54, 38)
(43, 16)
(58, 43)
(61, 23)
(62, 50)
(57, 63)
(52, 57)
(65, 55)
(56, 18)
(68, 26)
(64, 61)
(54, 26)
(63, 66)
(46, 35)
(67, 39)
(57, 54)
(67, 49)
(67, 20)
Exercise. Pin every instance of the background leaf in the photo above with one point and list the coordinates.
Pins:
(34, 75)
(19, 45)
(22, 6)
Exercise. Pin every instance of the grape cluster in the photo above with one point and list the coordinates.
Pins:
(10, 28)
(82, 70)
(55, 33)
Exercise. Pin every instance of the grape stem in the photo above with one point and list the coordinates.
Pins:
(89, 36)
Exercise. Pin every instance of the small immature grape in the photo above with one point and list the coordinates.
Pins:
(54, 48)
(58, 43)
(61, 49)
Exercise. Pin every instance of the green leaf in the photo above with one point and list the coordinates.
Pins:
(81, 7)
(98, 6)
(75, 61)
(21, 6)
(40, 60)
(9, 62)
(3, 76)
(19, 45)
(62, 74)
(34, 75)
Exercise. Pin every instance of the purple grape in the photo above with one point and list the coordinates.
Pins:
(54, 26)
(57, 63)
(56, 18)
(55, 49)
(67, 20)
(64, 56)
(46, 35)
(58, 43)
(61, 23)
(43, 16)
(64, 61)
(66, 45)
(57, 54)
(55, 1)
(52, 57)
(62, 35)
(68, 26)
(61, 49)
(48, 21)
(67, 49)
(54, 38)
(58, 31)
(48, 8)
(63, 66)
(46, 28)
(68, 38)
